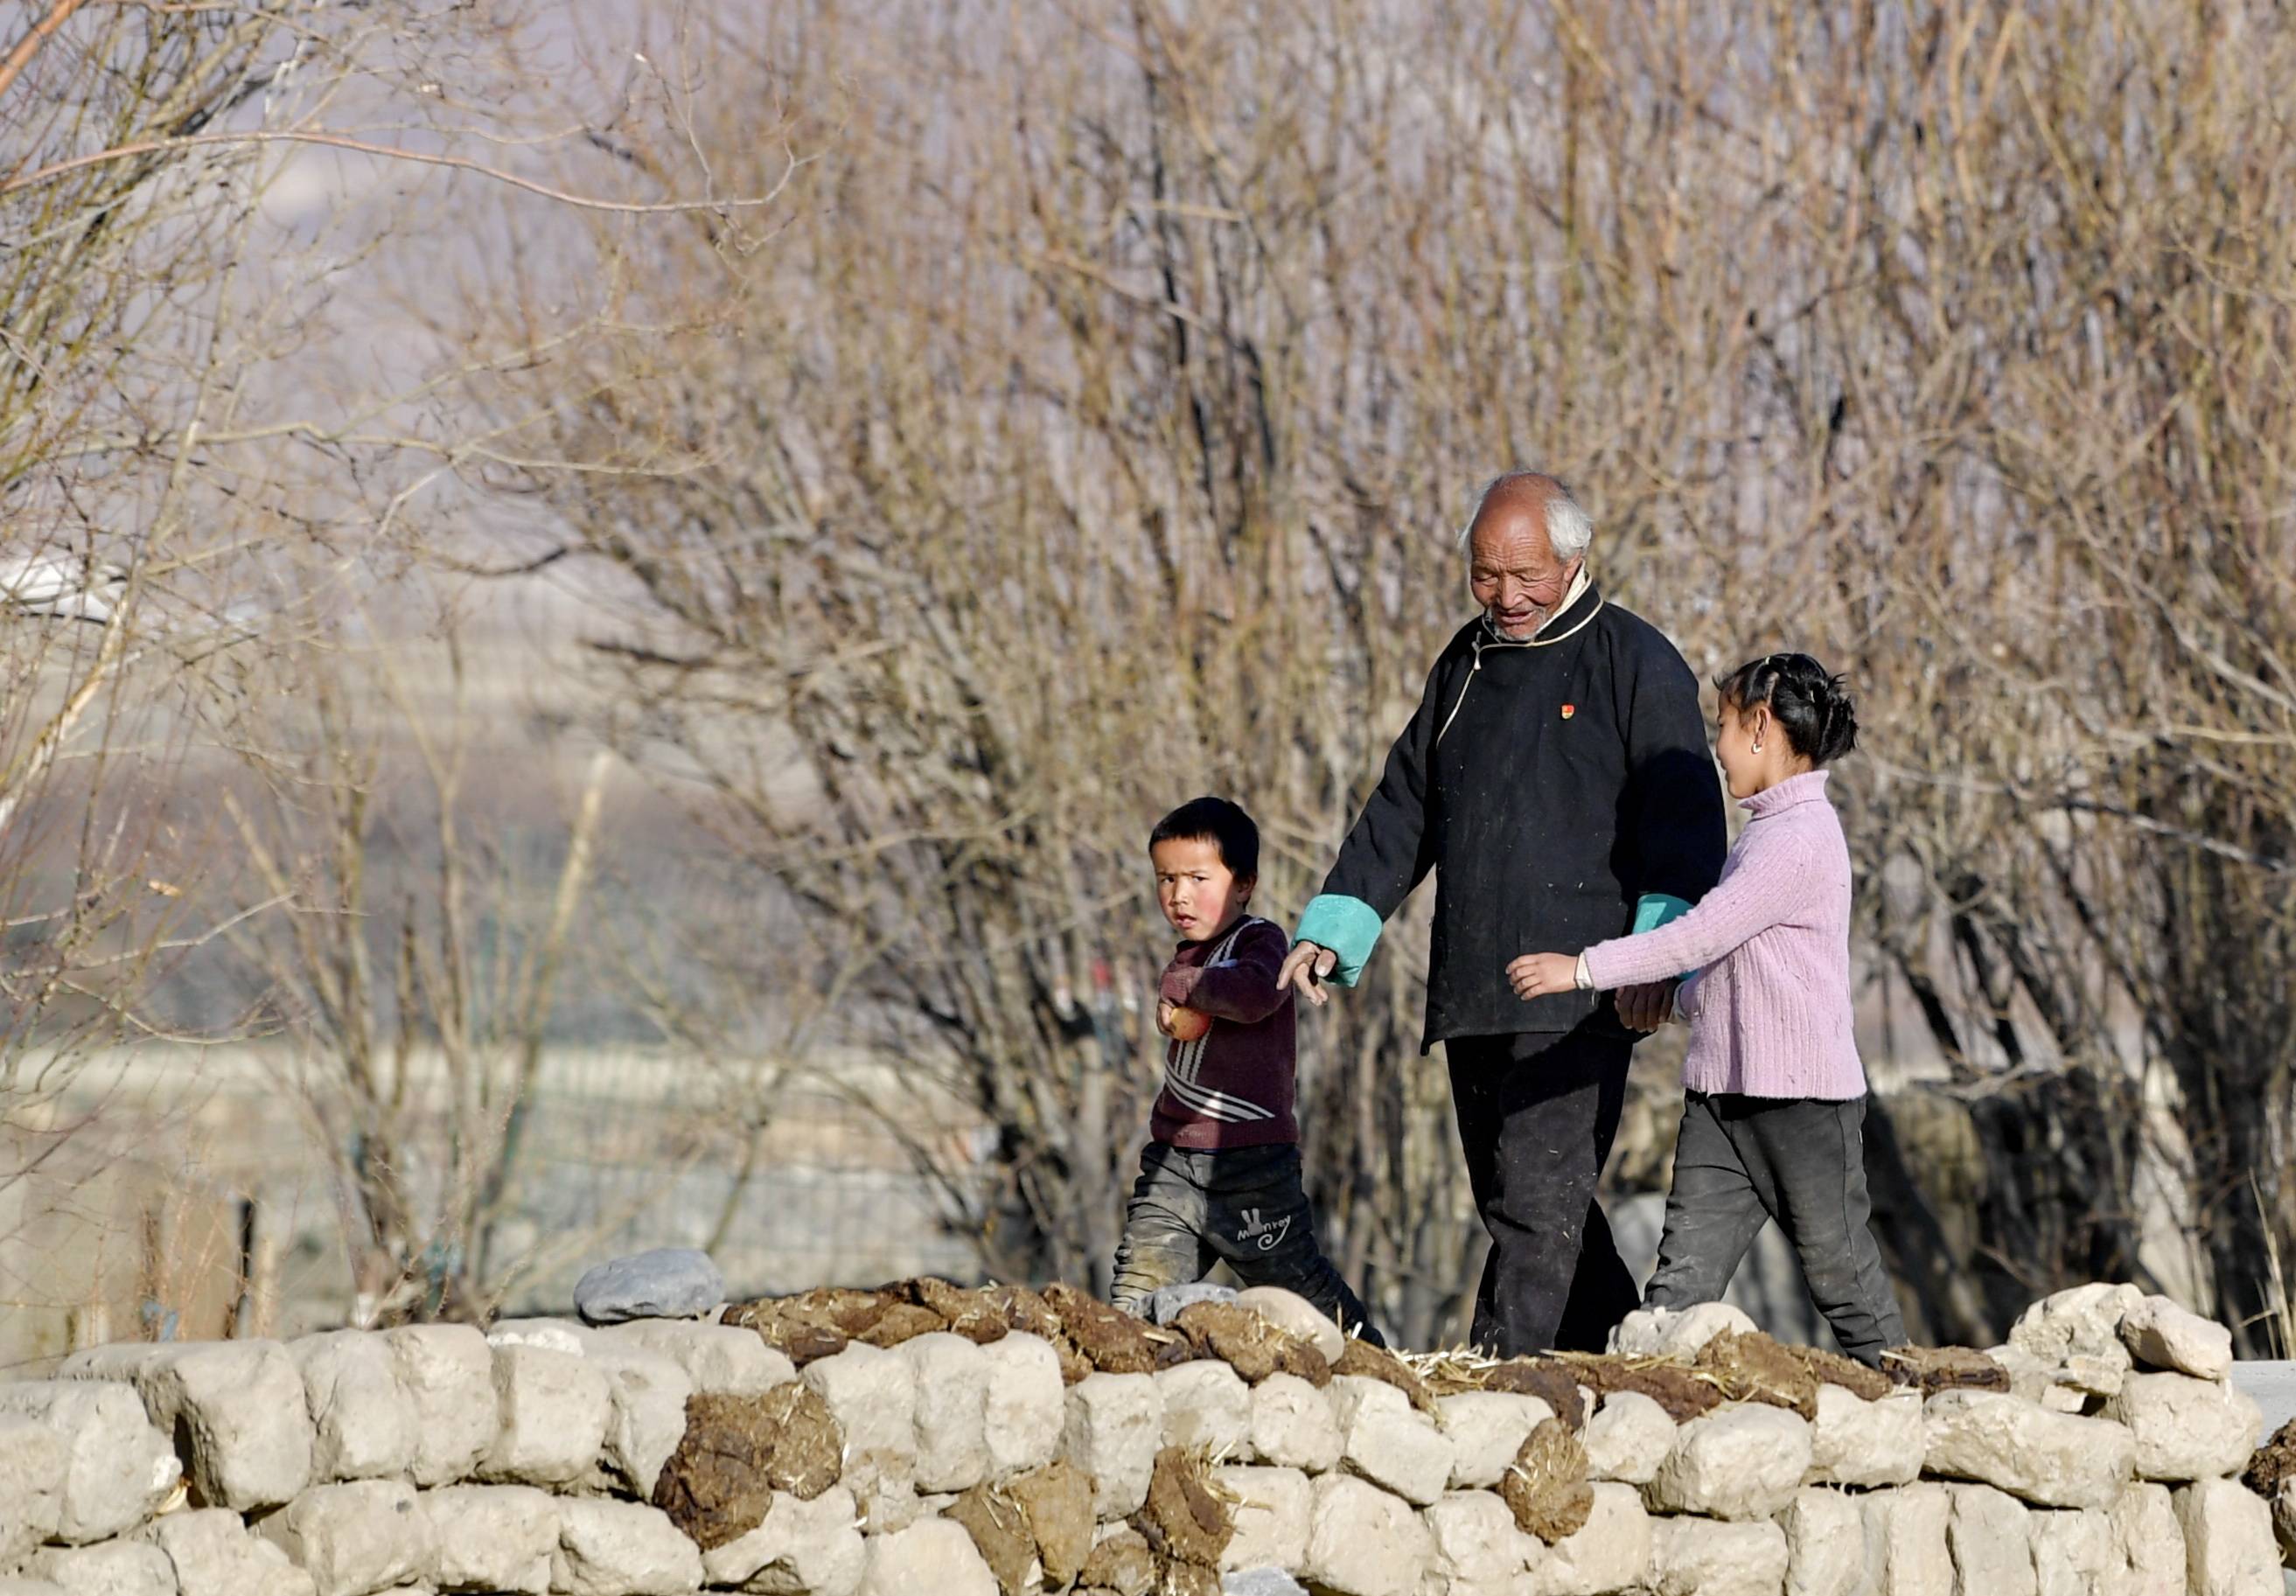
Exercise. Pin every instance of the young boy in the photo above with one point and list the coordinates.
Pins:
(1220, 1175)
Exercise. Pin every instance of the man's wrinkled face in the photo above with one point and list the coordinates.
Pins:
(1512, 569)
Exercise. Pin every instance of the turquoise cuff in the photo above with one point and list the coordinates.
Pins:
(1654, 909)
(1348, 925)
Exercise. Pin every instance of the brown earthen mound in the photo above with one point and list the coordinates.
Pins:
(1546, 1487)
(901, 1322)
(2275, 1461)
(1748, 1366)
(1186, 1518)
(1057, 1499)
(999, 1528)
(1251, 1345)
(1189, 1579)
(1306, 1360)
(977, 1316)
(823, 1322)
(1936, 1369)
(1123, 1565)
(1683, 1391)
(1114, 1342)
(1026, 1311)
(1173, 1348)
(737, 1451)
(1553, 1383)
(802, 1332)
(1367, 1362)
(1831, 1368)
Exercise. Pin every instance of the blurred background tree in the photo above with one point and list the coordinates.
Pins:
(1086, 424)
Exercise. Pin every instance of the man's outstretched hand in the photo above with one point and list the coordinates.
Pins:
(1304, 969)
(1646, 1008)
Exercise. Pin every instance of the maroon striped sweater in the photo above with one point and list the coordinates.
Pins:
(1233, 1085)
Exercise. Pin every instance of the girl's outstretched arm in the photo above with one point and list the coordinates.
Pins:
(1765, 888)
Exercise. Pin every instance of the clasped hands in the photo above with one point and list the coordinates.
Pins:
(1533, 975)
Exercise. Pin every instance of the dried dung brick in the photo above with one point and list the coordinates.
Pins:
(976, 1316)
(1376, 1363)
(1752, 1367)
(1186, 1518)
(839, 1309)
(1546, 1487)
(1025, 1311)
(1936, 1369)
(1831, 1368)
(2275, 1461)
(999, 1528)
(852, 1309)
(1116, 1342)
(1189, 1579)
(901, 1322)
(1057, 1499)
(1554, 1384)
(790, 1331)
(746, 1315)
(737, 1451)
(821, 1322)
(1684, 1393)
(803, 1343)
(1075, 1366)
(1123, 1565)
(1250, 1344)
(1306, 1360)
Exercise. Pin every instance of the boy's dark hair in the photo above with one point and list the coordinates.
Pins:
(1214, 820)
(1811, 705)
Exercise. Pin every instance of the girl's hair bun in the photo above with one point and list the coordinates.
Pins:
(1811, 704)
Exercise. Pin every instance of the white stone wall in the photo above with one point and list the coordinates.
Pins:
(438, 1459)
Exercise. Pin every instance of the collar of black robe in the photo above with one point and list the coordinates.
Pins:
(1580, 605)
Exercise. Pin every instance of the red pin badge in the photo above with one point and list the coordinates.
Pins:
(1568, 711)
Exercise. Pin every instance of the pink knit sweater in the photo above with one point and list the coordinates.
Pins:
(1769, 1007)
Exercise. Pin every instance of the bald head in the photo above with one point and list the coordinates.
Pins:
(1524, 547)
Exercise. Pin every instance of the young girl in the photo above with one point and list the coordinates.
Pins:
(1774, 1094)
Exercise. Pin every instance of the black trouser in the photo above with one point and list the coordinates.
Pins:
(1537, 1114)
(1241, 1205)
(1801, 1161)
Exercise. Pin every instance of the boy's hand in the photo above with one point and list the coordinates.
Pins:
(1535, 975)
(1304, 969)
(1164, 1015)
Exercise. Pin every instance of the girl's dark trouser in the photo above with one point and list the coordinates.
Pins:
(1537, 1115)
(1801, 1161)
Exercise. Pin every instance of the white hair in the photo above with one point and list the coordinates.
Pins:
(1569, 527)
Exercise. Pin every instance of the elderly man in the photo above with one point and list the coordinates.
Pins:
(1555, 777)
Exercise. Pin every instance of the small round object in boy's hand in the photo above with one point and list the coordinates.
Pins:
(1186, 1024)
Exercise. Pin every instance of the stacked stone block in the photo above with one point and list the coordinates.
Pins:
(1000, 1443)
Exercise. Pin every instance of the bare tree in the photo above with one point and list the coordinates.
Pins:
(1075, 421)
(223, 428)
(1092, 439)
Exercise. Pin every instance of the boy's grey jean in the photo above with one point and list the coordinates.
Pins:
(1801, 1161)
(1241, 1205)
